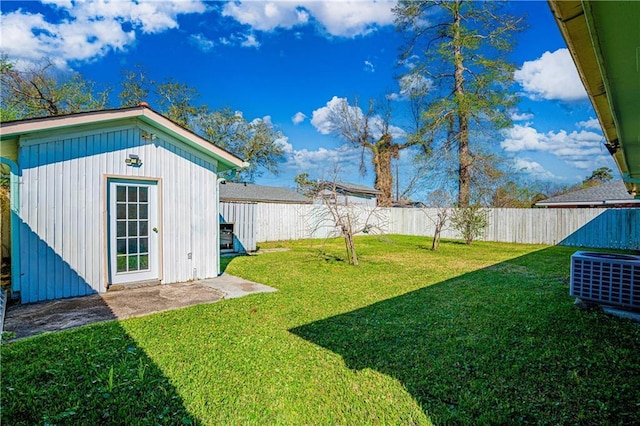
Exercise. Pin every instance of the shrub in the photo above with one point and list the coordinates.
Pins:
(470, 222)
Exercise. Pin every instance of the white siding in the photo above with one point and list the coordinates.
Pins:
(63, 208)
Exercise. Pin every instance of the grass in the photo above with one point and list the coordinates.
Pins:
(481, 334)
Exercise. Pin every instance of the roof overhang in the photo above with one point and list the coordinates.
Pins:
(15, 129)
(604, 40)
(604, 203)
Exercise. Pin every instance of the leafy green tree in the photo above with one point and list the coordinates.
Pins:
(176, 101)
(42, 91)
(135, 87)
(256, 141)
(598, 177)
(470, 221)
(305, 185)
(461, 47)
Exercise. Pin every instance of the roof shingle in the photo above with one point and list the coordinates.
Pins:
(612, 192)
(231, 191)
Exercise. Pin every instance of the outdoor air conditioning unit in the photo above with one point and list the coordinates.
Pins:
(607, 279)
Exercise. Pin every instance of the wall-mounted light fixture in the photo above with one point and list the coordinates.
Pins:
(147, 136)
(133, 160)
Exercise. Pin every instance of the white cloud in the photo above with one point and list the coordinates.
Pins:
(266, 119)
(516, 116)
(553, 76)
(88, 30)
(266, 16)
(321, 118)
(581, 149)
(343, 19)
(533, 168)
(244, 40)
(287, 148)
(414, 84)
(323, 159)
(250, 41)
(369, 67)
(298, 118)
(591, 123)
(351, 18)
(202, 42)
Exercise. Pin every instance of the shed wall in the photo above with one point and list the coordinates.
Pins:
(63, 213)
(243, 217)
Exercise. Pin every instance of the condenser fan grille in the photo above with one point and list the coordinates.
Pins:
(609, 279)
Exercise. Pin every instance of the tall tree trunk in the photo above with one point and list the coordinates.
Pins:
(464, 157)
(382, 154)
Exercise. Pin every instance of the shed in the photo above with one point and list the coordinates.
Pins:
(110, 198)
(609, 194)
(350, 193)
(238, 210)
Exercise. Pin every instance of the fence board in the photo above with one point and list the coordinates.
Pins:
(597, 228)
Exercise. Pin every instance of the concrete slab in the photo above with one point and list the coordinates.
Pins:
(234, 287)
(633, 316)
(55, 315)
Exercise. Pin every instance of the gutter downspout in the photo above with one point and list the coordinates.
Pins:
(219, 180)
(14, 180)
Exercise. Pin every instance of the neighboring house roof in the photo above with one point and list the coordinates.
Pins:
(352, 189)
(10, 130)
(608, 194)
(231, 191)
(603, 39)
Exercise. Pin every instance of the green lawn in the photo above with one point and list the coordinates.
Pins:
(481, 334)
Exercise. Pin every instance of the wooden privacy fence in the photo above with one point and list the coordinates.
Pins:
(597, 228)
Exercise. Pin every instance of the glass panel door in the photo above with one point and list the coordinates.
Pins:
(133, 231)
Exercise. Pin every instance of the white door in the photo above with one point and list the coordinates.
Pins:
(133, 231)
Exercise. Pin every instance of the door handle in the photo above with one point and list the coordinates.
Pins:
(155, 229)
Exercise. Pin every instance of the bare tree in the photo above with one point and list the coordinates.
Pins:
(342, 217)
(43, 91)
(441, 201)
(371, 131)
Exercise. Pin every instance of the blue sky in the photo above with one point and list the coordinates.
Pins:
(284, 61)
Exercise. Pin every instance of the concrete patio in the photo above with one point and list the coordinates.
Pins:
(55, 315)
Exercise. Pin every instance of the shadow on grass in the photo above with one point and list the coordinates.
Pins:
(501, 345)
(225, 261)
(91, 375)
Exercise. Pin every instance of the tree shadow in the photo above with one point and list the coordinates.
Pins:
(501, 345)
(96, 374)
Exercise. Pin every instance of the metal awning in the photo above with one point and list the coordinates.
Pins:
(604, 40)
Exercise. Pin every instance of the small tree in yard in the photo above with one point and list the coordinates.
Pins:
(440, 200)
(345, 219)
(470, 222)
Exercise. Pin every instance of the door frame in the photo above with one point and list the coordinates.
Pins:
(107, 180)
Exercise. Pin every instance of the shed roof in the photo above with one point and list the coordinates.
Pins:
(607, 194)
(352, 189)
(15, 129)
(232, 191)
